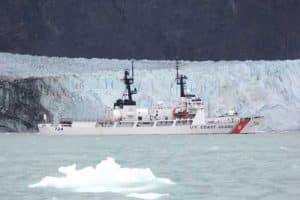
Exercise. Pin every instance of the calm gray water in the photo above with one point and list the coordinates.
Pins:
(265, 166)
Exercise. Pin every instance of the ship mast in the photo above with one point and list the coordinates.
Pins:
(129, 80)
(180, 80)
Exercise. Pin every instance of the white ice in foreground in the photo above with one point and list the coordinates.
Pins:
(81, 88)
(147, 196)
(108, 176)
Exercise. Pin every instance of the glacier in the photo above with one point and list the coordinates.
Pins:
(83, 88)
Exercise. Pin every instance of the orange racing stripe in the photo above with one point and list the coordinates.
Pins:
(240, 126)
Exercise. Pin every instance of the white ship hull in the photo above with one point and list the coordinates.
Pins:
(186, 117)
(91, 128)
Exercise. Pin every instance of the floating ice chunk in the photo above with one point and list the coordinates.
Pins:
(283, 148)
(214, 148)
(147, 196)
(107, 176)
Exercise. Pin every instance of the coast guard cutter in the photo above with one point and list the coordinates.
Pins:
(187, 116)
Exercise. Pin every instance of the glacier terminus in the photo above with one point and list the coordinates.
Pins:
(81, 88)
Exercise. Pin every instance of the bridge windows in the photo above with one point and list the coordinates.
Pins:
(164, 123)
(184, 122)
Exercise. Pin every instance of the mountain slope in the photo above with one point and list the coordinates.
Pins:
(152, 29)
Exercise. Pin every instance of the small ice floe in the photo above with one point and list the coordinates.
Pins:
(283, 148)
(214, 148)
(147, 196)
(295, 166)
(107, 176)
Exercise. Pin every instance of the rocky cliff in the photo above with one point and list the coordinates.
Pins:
(20, 104)
(152, 29)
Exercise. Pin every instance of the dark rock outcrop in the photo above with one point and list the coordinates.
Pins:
(20, 104)
(153, 29)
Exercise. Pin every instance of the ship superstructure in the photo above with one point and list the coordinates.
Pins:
(187, 116)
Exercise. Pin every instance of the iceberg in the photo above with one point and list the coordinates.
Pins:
(107, 176)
